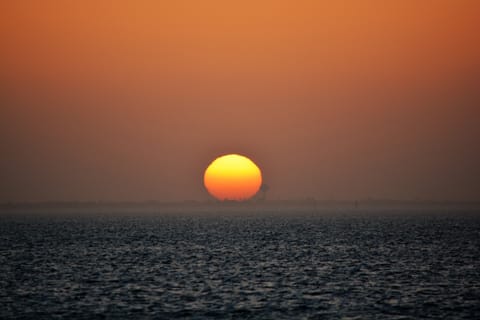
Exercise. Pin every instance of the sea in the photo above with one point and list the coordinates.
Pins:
(240, 263)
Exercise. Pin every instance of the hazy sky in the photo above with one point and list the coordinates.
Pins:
(131, 100)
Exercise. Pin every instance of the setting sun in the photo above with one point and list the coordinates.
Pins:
(232, 177)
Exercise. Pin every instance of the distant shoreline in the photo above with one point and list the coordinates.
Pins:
(212, 203)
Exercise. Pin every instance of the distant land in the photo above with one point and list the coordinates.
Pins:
(308, 202)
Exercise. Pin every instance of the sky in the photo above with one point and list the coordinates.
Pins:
(131, 100)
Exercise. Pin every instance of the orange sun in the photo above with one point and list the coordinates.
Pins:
(232, 177)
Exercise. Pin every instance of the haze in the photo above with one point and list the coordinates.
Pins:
(105, 100)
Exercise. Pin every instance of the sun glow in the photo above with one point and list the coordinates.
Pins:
(232, 177)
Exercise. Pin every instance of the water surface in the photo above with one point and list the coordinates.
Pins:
(240, 266)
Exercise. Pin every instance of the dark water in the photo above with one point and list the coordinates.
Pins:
(253, 266)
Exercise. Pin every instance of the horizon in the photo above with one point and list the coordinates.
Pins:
(267, 159)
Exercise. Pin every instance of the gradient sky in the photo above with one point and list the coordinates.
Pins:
(131, 100)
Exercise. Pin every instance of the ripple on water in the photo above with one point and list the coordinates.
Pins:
(257, 267)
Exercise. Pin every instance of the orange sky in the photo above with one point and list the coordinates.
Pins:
(131, 100)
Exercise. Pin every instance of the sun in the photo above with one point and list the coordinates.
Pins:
(232, 177)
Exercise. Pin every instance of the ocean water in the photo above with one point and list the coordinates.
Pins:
(240, 265)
